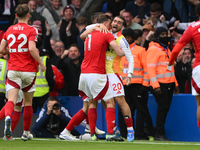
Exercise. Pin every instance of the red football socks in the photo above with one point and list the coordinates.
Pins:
(198, 123)
(76, 120)
(92, 115)
(27, 117)
(15, 119)
(9, 107)
(110, 119)
(128, 122)
(2, 113)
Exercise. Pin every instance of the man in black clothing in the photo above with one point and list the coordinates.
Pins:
(70, 63)
(68, 31)
(183, 73)
(81, 23)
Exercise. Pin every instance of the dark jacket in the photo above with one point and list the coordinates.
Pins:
(52, 122)
(71, 73)
(68, 40)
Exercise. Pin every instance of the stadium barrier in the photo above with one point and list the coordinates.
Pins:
(181, 122)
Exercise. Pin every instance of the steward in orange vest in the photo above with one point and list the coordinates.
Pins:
(133, 95)
(162, 78)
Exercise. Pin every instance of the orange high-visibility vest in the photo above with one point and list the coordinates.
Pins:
(139, 55)
(157, 68)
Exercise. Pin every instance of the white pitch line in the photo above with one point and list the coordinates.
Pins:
(134, 142)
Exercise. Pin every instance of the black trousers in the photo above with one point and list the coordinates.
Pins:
(2, 100)
(136, 95)
(164, 101)
(38, 102)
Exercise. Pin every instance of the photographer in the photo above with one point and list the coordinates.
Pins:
(52, 119)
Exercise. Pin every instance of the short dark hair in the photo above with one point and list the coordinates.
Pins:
(102, 18)
(127, 11)
(137, 33)
(155, 7)
(197, 9)
(52, 98)
(187, 48)
(124, 21)
(22, 10)
(81, 20)
(73, 45)
(95, 15)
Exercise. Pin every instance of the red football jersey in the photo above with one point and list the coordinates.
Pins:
(192, 33)
(96, 45)
(18, 37)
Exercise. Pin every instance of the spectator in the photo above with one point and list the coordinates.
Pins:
(137, 36)
(151, 21)
(57, 52)
(92, 7)
(52, 42)
(183, 72)
(70, 63)
(162, 79)
(187, 54)
(52, 119)
(76, 4)
(138, 8)
(95, 16)
(178, 8)
(164, 19)
(35, 16)
(53, 51)
(129, 23)
(81, 23)
(68, 31)
(59, 81)
(7, 12)
(57, 7)
(115, 6)
(109, 13)
(51, 13)
(44, 85)
(40, 6)
(148, 32)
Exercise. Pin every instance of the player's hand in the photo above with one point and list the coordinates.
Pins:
(42, 67)
(127, 81)
(158, 91)
(103, 28)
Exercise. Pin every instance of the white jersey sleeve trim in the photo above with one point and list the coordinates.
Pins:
(123, 44)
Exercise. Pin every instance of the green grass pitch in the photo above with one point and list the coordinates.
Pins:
(55, 144)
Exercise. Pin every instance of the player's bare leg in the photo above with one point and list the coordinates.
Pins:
(9, 107)
(127, 116)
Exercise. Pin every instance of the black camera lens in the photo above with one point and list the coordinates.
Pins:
(56, 106)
